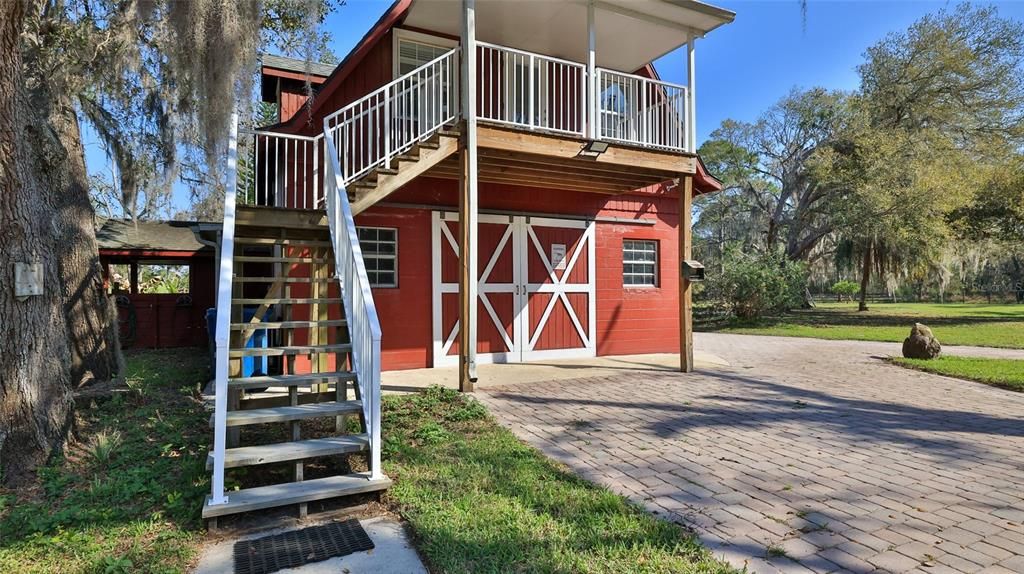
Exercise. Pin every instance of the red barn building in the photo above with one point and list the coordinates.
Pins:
(478, 180)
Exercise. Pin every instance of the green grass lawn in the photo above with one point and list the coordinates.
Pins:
(127, 497)
(479, 500)
(953, 323)
(1005, 373)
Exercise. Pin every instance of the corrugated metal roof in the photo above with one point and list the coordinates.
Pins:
(148, 235)
(297, 66)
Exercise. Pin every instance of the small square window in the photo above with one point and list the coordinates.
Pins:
(380, 255)
(639, 263)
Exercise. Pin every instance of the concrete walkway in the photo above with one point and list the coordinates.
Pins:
(542, 371)
(795, 455)
(392, 553)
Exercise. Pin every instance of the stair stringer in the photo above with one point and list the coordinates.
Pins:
(390, 182)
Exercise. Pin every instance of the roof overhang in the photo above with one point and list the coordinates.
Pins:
(632, 32)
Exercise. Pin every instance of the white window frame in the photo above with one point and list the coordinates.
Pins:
(401, 35)
(379, 256)
(656, 276)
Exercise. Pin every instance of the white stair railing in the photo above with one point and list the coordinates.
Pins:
(357, 297)
(280, 170)
(374, 129)
(222, 335)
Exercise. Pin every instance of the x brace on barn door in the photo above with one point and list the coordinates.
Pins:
(535, 307)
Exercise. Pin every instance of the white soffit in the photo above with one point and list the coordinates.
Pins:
(630, 33)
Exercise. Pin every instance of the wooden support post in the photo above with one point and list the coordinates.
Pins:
(685, 289)
(320, 309)
(468, 204)
(233, 434)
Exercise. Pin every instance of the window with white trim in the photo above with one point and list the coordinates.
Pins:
(639, 263)
(380, 254)
(412, 50)
(412, 55)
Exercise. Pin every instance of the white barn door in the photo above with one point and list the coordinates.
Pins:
(536, 286)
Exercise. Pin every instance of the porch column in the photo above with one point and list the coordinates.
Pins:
(468, 204)
(691, 95)
(685, 188)
(591, 74)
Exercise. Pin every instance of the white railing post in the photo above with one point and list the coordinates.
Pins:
(691, 95)
(593, 87)
(387, 130)
(223, 330)
(531, 94)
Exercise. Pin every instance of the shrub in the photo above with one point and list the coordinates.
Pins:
(752, 285)
(845, 288)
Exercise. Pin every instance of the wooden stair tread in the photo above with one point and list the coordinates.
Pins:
(286, 301)
(283, 279)
(290, 413)
(292, 350)
(309, 379)
(302, 242)
(269, 259)
(287, 324)
(294, 450)
(295, 492)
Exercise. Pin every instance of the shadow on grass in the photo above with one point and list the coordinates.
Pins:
(479, 500)
(132, 504)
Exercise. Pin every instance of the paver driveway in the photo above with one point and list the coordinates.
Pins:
(812, 448)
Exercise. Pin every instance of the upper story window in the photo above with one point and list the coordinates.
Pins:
(380, 255)
(413, 49)
(639, 263)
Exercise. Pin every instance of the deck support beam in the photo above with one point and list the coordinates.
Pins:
(685, 288)
(468, 204)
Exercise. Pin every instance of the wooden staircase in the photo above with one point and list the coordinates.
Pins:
(382, 181)
(297, 414)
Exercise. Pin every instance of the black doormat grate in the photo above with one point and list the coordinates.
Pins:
(298, 547)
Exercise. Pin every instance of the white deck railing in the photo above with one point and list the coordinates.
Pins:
(363, 323)
(640, 111)
(280, 170)
(371, 131)
(530, 90)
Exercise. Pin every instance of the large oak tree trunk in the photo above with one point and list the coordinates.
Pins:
(865, 278)
(35, 380)
(90, 313)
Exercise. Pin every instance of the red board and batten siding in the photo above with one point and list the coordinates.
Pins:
(629, 320)
(160, 322)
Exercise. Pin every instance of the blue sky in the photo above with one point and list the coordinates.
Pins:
(742, 68)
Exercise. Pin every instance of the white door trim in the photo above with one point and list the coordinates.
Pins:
(520, 238)
(558, 288)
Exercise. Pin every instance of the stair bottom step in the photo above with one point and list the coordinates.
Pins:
(294, 493)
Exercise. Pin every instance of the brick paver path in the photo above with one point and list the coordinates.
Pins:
(812, 448)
